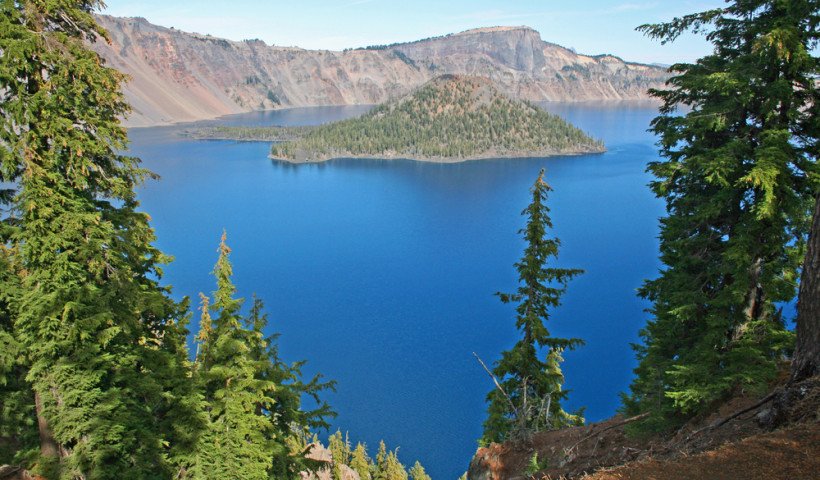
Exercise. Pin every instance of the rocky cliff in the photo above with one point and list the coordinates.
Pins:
(178, 76)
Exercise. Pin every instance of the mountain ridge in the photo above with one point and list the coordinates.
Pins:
(178, 76)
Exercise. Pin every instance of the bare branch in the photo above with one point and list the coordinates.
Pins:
(595, 434)
(497, 385)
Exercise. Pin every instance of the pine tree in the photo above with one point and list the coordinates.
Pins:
(533, 387)
(18, 423)
(360, 462)
(339, 447)
(252, 399)
(417, 472)
(738, 177)
(393, 469)
(205, 329)
(99, 336)
(238, 440)
(807, 352)
(380, 465)
(181, 418)
(287, 410)
(290, 419)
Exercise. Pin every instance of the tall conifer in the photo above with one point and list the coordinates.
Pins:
(238, 441)
(291, 420)
(533, 388)
(380, 465)
(807, 351)
(100, 335)
(738, 177)
(18, 423)
(252, 399)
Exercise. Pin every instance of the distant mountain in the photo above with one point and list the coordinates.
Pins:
(178, 76)
(451, 118)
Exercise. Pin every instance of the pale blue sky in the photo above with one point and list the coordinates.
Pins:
(589, 26)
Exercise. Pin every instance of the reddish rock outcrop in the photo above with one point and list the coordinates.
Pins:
(178, 76)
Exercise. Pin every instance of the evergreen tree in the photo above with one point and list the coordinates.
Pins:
(807, 351)
(97, 337)
(380, 465)
(205, 328)
(18, 423)
(393, 469)
(738, 177)
(533, 391)
(340, 453)
(288, 409)
(290, 419)
(386, 465)
(252, 399)
(360, 462)
(238, 440)
(417, 472)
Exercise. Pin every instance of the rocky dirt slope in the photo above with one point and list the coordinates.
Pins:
(178, 76)
(744, 438)
(790, 453)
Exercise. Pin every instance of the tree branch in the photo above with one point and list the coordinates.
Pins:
(497, 385)
(594, 434)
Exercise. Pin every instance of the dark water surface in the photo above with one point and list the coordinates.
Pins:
(382, 273)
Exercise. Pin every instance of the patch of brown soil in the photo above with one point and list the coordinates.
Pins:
(792, 453)
(565, 453)
(735, 440)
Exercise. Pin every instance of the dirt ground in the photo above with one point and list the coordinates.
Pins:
(791, 453)
(743, 438)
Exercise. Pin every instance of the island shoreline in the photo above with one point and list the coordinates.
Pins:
(442, 160)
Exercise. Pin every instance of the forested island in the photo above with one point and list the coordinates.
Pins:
(249, 134)
(451, 118)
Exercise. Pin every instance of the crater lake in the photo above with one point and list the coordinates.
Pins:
(382, 274)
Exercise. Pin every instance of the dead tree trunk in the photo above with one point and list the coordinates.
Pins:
(807, 352)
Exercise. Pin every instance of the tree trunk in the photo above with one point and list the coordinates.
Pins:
(48, 444)
(807, 353)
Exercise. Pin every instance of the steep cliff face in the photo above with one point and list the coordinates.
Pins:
(526, 67)
(178, 76)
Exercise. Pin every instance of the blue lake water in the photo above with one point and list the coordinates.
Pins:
(382, 273)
